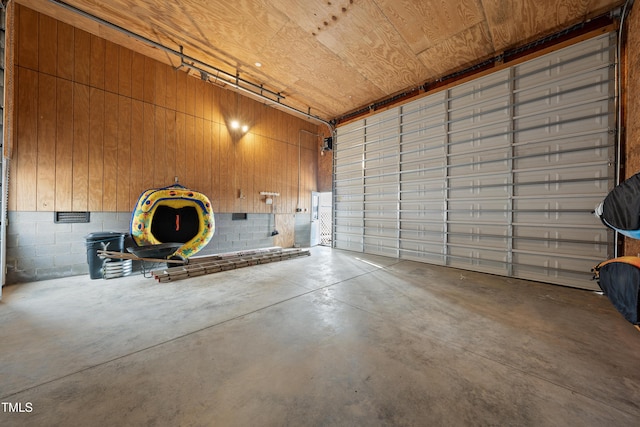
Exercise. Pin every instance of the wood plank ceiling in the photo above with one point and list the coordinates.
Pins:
(330, 57)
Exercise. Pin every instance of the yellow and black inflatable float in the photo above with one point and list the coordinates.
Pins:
(173, 214)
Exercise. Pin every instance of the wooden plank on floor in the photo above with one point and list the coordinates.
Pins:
(227, 261)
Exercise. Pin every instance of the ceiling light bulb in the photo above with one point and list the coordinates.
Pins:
(235, 124)
(258, 64)
(245, 128)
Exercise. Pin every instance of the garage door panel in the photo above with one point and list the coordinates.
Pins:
(426, 149)
(430, 229)
(593, 85)
(489, 186)
(560, 246)
(495, 111)
(471, 231)
(499, 174)
(497, 135)
(423, 253)
(479, 211)
(574, 59)
(478, 259)
(479, 241)
(480, 162)
(349, 243)
(554, 268)
(476, 90)
(592, 180)
(581, 148)
(565, 120)
(563, 209)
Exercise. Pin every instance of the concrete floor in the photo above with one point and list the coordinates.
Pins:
(337, 338)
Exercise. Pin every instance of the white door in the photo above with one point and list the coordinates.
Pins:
(315, 218)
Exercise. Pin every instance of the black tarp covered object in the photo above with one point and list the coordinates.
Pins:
(620, 210)
(619, 279)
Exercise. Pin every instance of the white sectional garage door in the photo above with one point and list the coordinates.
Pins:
(499, 174)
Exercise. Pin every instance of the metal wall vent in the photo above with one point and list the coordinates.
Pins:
(71, 217)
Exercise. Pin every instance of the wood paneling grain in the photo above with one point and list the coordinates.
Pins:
(215, 167)
(170, 147)
(65, 51)
(26, 23)
(137, 76)
(27, 134)
(82, 57)
(199, 98)
(161, 84)
(64, 145)
(180, 153)
(96, 150)
(190, 96)
(181, 90)
(46, 150)
(207, 150)
(137, 151)
(159, 148)
(228, 190)
(98, 47)
(123, 170)
(97, 134)
(124, 71)
(47, 45)
(111, 67)
(247, 172)
(81, 118)
(147, 151)
(189, 150)
(149, 80)
(170, 89)
(110, 151)
(207, 101)
(198, 149)
(259, 171)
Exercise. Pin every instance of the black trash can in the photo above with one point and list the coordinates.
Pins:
(102, 240)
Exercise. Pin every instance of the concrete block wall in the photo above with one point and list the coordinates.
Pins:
(39, 249)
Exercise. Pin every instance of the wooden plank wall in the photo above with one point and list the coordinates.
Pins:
(631, 102)
(97, 124)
